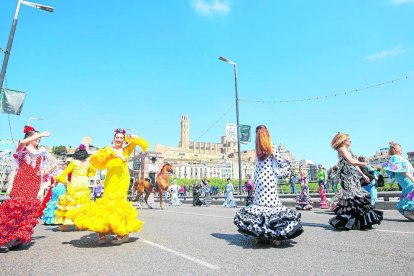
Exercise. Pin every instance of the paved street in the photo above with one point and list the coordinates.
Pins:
(203, 241)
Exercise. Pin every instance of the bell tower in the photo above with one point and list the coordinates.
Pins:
(185, 132)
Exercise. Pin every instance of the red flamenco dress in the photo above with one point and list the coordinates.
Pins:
(19, 214)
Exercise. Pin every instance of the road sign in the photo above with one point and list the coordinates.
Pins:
(245, 134)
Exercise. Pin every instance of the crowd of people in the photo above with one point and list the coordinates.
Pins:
(264, 217)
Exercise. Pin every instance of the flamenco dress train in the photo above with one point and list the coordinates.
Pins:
(267, 218)
(354, 209)
(112, 214)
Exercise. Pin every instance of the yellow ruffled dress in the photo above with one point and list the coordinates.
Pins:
(78, 193)
(112, 214)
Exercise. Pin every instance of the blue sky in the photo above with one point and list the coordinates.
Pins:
(93, 66)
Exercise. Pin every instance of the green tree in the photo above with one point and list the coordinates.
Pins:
(59, 150)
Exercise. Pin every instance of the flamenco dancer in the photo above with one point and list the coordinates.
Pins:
(112, 214)
(78, 193)
(19, 214)
(401, 169)
(267, 219)
(303, 201)
(354, 209)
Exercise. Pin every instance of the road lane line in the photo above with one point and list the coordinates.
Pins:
(392, 231)
(197, 214)
(192, 259)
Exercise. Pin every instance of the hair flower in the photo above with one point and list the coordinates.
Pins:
(28, 129)
(120, 130)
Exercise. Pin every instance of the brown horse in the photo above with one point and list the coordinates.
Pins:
(144, 185)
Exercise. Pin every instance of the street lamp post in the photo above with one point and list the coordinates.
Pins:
(34, 118)
(13, 30)
(237, 117)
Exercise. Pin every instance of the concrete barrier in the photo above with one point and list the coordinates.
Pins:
(386, 200)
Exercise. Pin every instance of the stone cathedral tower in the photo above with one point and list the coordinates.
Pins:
(185, 132)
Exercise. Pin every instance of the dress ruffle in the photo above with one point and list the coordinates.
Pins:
(406, 208)
(304, 202)
(51, 207)
(75, 198)
(18, 217)
(271, 223)
(355, 213)
(108, 216)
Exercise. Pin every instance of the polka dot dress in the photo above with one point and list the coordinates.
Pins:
(267, 217)
(19, 214)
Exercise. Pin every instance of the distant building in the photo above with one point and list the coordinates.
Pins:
(7, 165)
(379, 157)
(199, 160)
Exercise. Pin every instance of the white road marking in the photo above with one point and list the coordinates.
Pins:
(192, 259)
(197, 214)
(392, 231)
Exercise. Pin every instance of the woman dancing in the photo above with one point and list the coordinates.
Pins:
(400, 168)
(112, 214)
(303, 201)
(354, 209)
(267, 219)
(19, 214)
(78, 193)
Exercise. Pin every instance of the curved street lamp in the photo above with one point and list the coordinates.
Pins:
(13, 30)
(34, 118)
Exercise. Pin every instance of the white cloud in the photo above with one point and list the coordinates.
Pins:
(401, 2)
(211, 7)
(396, 51)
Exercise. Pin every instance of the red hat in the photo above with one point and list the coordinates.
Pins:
(28, 129)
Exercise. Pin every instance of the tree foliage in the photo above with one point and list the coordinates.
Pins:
(59, 150)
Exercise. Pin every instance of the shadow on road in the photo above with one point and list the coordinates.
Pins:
(91, 241)
(26, 246)
(320, 225)
(325, 212)
(249, 243)
(398, 220)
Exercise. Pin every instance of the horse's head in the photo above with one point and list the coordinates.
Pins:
(167, 168)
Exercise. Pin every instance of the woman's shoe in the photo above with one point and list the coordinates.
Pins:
(102, 239)
(4, 248)
(120, 240)
(17, 243)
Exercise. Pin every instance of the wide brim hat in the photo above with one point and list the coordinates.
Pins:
(153, 158)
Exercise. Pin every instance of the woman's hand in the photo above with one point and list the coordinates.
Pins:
(366, 178)
(45, 134)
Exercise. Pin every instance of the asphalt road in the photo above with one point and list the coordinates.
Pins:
(190, 240)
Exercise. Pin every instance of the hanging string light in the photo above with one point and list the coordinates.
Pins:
(216, 122)
(316, 98)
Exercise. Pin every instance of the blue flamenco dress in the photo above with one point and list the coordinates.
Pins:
(396, 167)
(49, 213)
